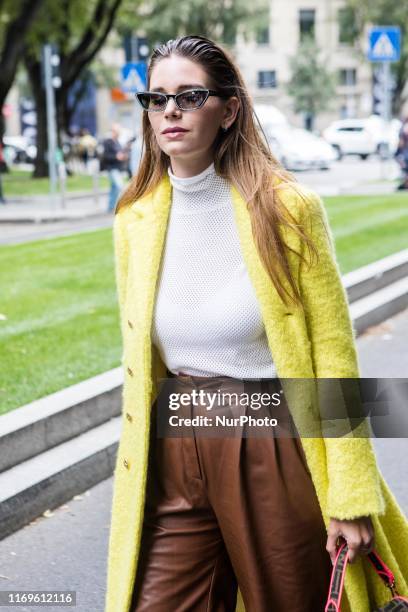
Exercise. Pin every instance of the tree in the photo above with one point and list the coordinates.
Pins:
(311, 86)
(385, 12)
(17, 17)
(215, 19)
(79, 29)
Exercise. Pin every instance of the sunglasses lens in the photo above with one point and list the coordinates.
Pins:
(152, 101)
(191, 99)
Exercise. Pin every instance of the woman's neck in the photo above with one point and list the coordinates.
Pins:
(192, 168)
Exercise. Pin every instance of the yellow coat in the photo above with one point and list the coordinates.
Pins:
(315, 342)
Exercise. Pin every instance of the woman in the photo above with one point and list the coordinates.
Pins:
(194, 518)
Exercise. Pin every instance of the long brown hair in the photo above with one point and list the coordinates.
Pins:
(241, 155)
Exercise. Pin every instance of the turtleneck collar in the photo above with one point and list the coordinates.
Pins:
(198, 182)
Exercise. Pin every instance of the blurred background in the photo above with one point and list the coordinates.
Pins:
(321, 99)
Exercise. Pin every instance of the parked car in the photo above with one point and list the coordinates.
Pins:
(295, 148)
(363, 137)
(298, 149)
(18, 149)
(270, 116)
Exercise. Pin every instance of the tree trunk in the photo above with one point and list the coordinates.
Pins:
(41, 163)
(12, 46)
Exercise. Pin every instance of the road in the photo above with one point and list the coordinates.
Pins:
(354, 176)
(67, 550)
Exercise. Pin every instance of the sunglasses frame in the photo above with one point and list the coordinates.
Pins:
(209, 92)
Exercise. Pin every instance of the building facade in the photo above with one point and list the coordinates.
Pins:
(264, 59)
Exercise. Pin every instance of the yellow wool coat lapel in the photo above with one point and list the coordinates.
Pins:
(317, 341)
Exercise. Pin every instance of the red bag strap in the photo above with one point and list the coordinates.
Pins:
(339, 570)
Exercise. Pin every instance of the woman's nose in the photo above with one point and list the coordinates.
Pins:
(171, 107)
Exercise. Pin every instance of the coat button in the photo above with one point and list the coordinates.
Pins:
(130, 371)
(130, 324)
(126, 463)
(129, 417)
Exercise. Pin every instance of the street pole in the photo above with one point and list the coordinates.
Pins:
(384, 46)
(51, 129)
(385, 113)
(350, 101)
(386, 110)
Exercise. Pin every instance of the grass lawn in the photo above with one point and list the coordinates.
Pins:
(59, 317)
(62, 323)
(20, 183)
(367, 228)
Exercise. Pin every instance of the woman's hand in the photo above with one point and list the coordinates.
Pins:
(358, 533)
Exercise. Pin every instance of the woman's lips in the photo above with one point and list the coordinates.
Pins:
(174, 135)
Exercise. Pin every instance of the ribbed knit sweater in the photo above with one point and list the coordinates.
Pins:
(207, 320)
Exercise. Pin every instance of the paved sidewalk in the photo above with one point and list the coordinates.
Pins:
(37, 209)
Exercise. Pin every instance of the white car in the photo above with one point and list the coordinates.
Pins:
(298, 149)
(363, 137)
(17, 149)
(270, 116)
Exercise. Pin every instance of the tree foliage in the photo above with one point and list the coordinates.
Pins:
(311, 85)
(216, 19)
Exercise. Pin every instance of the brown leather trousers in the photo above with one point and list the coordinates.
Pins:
(227, 511)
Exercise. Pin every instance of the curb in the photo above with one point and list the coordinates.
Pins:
(380, 305)
(55, 476)
(52, 420)
(70, 195)
(377, 275)
(48, 216)
(21, 210)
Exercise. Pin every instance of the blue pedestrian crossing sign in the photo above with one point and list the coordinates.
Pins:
(384, 44)
(133, 77)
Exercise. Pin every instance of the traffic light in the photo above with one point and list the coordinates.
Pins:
(136, 48)
(51, 56)
(142, 49)
(55, 68)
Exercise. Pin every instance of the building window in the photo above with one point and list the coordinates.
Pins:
(266, 79)
(306, 23)
(262, 36)
(348, 77)
(347, 25)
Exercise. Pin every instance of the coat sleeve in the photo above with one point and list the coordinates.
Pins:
(353, 474)
(121, 258)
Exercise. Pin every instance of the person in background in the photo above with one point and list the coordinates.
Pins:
(86, 146)
(135, 150)
(402, 154)
(113, 158)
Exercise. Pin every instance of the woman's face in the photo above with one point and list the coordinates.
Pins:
(176, 74)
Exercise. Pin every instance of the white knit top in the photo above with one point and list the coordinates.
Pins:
(207, 320)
